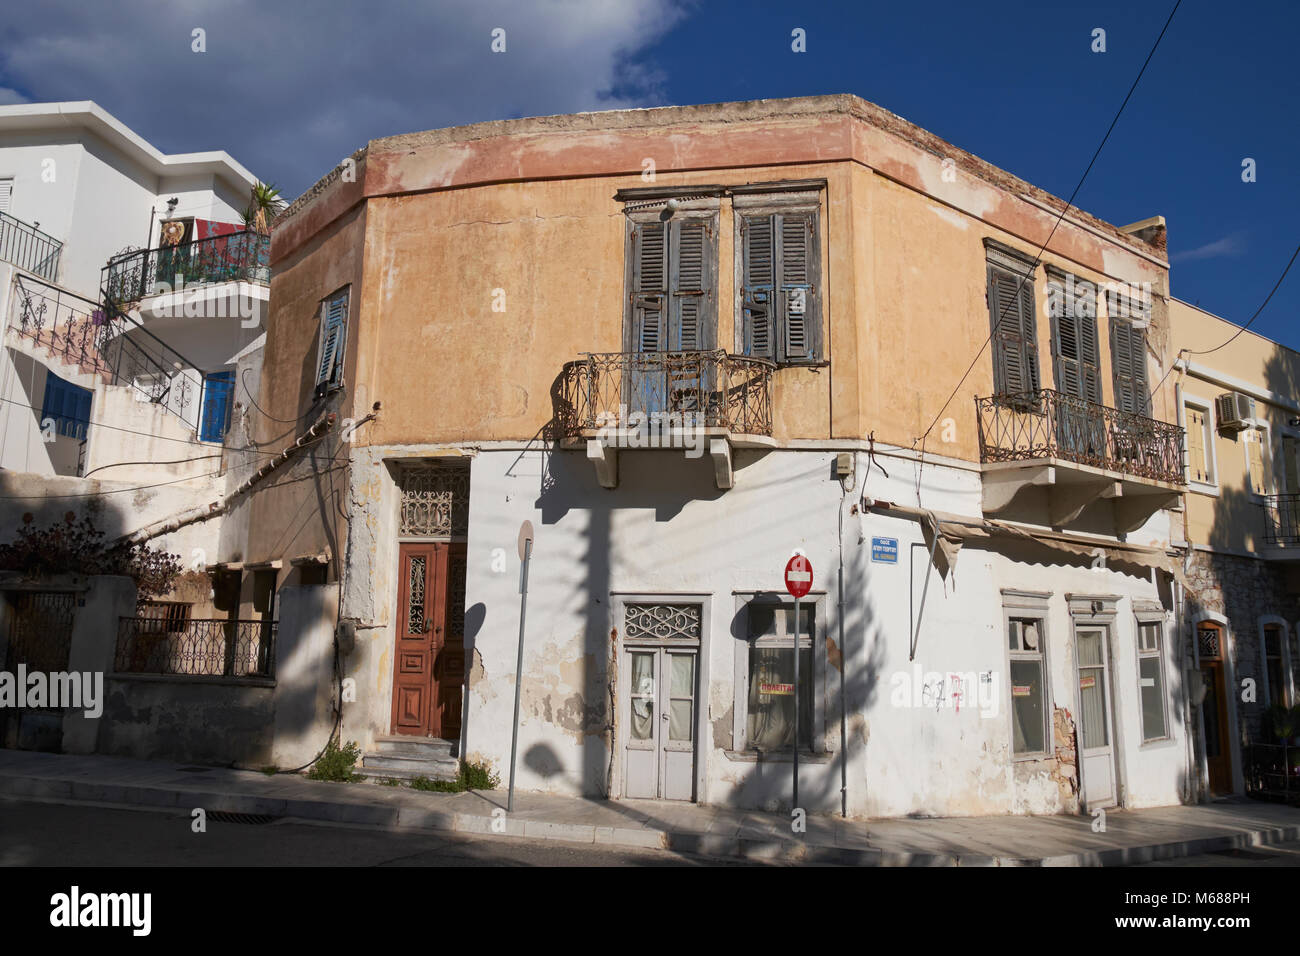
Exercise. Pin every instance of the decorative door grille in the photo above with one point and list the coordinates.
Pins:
(435, 501)
(1208, 638)
(660, 622)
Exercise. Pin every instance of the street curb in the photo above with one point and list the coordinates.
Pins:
(769, 849)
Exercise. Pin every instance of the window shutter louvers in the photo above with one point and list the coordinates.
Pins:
(759, 275)
(1015, 356)
(797, 301)
(334, 314)
(692, 284)
(6, 194)
(1075, 349)
(649, 285)
(1128, 356)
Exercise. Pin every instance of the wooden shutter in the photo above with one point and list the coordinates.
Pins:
(649, 286)
(1128, 358)
(1255, 455)
(692, 260)
(759, 241)
(333, 331)
(6, 194)
(1197, 453)
(797, 319)
(1075, 352)
(1015, 344)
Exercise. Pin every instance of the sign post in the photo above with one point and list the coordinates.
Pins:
(525, 555)
(798, 581)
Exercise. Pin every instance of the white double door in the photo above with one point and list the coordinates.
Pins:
(659, 755)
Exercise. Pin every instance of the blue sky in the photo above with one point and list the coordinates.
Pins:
(289, 89)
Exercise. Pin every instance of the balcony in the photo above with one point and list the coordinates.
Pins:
(1065, 452)
(218, 277)
(1281, 525)
(28, 248)
(701, 402)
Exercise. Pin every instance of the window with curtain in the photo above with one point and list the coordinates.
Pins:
(1028, 686)
(771, 696)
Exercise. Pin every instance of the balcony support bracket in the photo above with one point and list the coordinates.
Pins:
(1069, 500)
(720, 452)
(605, 458)
(1132, 512)
(1003, 485)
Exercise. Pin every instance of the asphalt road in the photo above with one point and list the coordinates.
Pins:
(85, 835)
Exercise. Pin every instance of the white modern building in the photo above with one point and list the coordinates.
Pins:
(95, 227)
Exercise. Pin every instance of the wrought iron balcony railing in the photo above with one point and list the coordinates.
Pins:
(1051, 424)
(1282, 520)
(28, 248)
(195, 648)
(666, 390)
(92, 340)
(240, 256)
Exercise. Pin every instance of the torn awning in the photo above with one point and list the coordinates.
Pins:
(946, 533)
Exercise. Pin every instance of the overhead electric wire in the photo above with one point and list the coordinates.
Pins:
(183, 441)
(1181, 352)
(1068, 206)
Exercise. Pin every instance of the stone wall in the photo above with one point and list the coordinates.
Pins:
(1243, 590)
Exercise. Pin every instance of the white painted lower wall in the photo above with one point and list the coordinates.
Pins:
(666, 531)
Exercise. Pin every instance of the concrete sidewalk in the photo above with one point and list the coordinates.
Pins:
(1131, 836)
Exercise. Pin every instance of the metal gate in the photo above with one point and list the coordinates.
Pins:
(40, 639)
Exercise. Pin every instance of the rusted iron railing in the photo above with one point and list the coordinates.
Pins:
(1051, 424)
(215, 647)
(673, 389)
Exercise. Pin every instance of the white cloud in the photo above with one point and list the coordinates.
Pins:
(289, 93)
(9, 97)
(1233, 245)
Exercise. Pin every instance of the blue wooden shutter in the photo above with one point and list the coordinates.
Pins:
(68, 405)
(758, 236)
(649, 286)
(691, 325)
(333, 334)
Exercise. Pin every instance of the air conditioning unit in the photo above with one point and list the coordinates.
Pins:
(1235, 410)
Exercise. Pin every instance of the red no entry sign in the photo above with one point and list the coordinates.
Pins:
(798, 576)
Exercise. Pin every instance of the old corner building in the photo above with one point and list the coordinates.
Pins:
(684, 343)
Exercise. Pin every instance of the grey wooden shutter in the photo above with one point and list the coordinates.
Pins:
(333, 331)
(1129, 364)
(797, 319)
(758, 235)
(1074, 345)
(1015, 344)
(649, 286)
(692, 286)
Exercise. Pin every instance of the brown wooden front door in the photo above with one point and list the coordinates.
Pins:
(1214, 709)
(429, 656)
